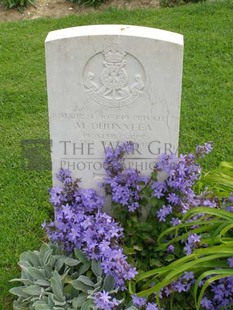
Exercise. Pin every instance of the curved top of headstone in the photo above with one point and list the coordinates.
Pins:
(122, 30)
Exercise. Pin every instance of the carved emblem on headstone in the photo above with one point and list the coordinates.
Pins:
(113, 78)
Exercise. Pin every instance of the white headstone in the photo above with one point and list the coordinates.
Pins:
(109, 84)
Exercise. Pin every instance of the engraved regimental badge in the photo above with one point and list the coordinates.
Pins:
(113, 78)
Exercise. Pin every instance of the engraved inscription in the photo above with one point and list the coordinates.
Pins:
(113, 78)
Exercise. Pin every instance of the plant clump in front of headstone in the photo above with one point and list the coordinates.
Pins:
(167, 245)
(52, 279)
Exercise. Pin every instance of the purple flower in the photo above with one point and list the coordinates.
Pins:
(103, 300)
(229, 209)
(192, 242)
(138, 301)
(220, 294)
(202, 150)
(188, 276)
(183, 284)
(173, 198)
(56, 195)
(114, 162)
(230, 262)
(206, 303)
(125, 188)
(163, 212)
(179, 287)
(175, 221)
(151, 306)
(170, 248)
(159, 188)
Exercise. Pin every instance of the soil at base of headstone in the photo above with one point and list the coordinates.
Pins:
(59, 8)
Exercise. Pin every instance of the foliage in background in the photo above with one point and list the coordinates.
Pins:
(172, 3)
(94, 3)
(9, 4)
(219, 180)
(206, 110)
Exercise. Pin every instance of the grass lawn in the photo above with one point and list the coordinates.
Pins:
(206, 114)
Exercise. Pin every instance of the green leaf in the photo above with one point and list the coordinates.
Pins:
(87, 305)
(48, 272)
(36, 273)
(84, 268)
(98, 283)
(132, 287)
(24, 265)
(173, 271)
(59, 264)
(85, 280)
(44, 249)
(109, 283)
(71, 261)
(33, 258)
(78, 285)
(81, 256)
(95, 266)
(20, 305)
(79, 301)
(57, 287)
(42, 307)
(42, 283)
(23, 257)
(138, 248)
(211, 211)
(129, 251)
(34, 290)
(19, 291)
(59, 302)
(65, 277)
(170, 258)
(24, 281)
(52, 261)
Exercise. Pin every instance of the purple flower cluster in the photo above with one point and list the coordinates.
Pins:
(202, 150)
(183, 284)
(114, 157)
(192, 242)
(228, 203)
(141, 303)
(125, 188)
(103, 300)
(123, 184)
(163, 212)
(80, 223)
(64, 176)
(220, 295)
(178, 177)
